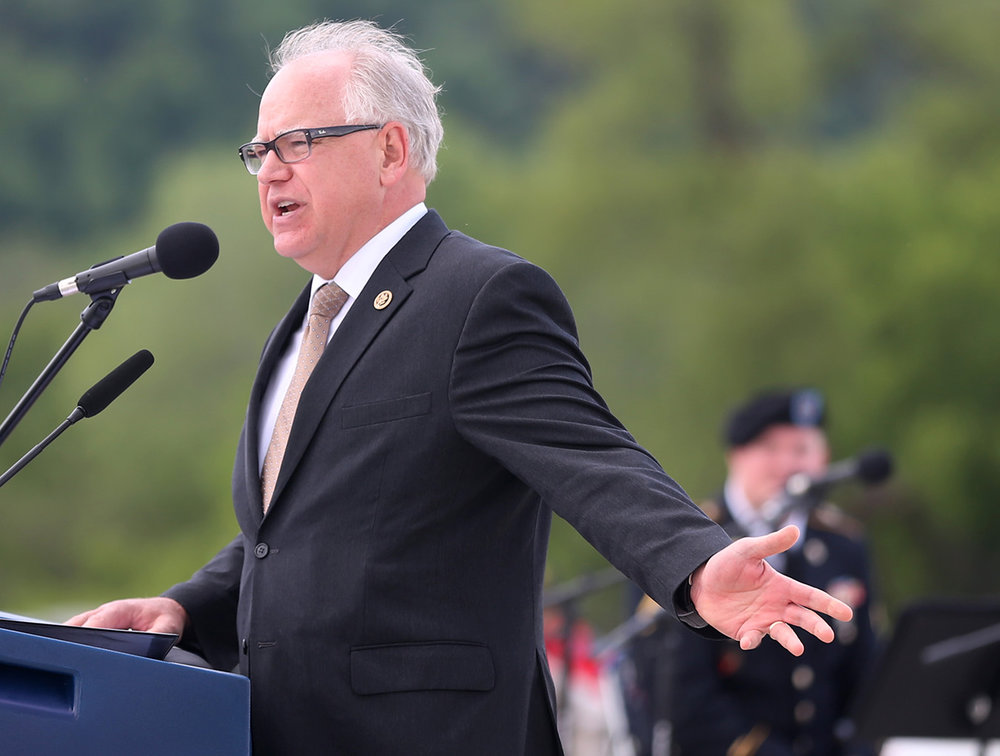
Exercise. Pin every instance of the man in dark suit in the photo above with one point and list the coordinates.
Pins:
(767, 703)
(383, 594)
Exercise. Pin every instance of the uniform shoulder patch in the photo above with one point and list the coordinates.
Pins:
(713, 509)
(830, 517)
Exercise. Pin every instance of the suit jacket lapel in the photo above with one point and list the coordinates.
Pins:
(274, 348)
(354, 335)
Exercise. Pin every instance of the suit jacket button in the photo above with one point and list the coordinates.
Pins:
(246, 646)
(261, 550)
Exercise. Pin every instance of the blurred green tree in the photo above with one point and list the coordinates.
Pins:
(732, 195)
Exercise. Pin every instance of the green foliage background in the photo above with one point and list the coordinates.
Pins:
(733, 195)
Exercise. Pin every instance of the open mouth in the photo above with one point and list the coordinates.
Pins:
(284, 208)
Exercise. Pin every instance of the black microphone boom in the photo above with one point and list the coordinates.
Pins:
(183, 250)
(93, 401)
(97, 398)
(870, 467)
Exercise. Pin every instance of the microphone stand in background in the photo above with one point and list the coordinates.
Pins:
(566, 599)
(788, 501)
(92, 318)
(653, 635)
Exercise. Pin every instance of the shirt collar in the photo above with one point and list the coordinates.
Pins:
(355, 273)
(743, 512)
(752, 522)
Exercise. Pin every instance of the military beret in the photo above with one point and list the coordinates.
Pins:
(802, 406)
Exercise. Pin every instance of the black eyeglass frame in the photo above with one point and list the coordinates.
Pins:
(311, 135)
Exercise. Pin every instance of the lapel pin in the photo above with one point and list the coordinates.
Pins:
(383, 299)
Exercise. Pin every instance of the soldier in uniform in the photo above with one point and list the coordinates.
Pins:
(765, 702)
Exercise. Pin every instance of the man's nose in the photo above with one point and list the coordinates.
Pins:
(271, 167)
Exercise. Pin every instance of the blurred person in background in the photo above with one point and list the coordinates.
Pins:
(767, 703)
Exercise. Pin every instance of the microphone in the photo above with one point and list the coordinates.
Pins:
(94, 400)
(97, 398)
(183, 250)
(870, 466)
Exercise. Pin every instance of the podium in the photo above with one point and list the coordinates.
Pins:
(58, 697)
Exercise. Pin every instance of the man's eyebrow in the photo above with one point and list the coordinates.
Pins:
(289, 131)
(259, 139)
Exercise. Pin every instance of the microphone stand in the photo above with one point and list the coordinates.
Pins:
(791, 501)
(566, 598)
(39, 448)
(654, 665)
(92, 318)
(631, 628)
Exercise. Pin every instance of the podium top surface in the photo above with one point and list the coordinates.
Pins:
(138, 643)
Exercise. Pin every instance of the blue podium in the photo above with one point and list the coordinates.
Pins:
(58, 697)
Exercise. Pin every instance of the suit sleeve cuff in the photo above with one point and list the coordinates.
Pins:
(684, 606)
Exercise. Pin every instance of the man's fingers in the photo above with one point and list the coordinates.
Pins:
(783, 630)
(780, 631)
(824, 603)
(99, 617)
(840, 611)
(751, 639)
(809, 621)
(79, 619)
(783, 634)
(761, 547)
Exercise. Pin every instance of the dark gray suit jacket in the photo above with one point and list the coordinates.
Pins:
(389, 602)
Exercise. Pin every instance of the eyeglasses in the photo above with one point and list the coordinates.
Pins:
(293, 146)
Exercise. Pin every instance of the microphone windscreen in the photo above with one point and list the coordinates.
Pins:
(186, 250)
(111, 386)
(874, 465)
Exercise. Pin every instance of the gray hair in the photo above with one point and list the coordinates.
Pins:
(388, 81)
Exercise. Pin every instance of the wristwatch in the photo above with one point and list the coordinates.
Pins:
(684, 606)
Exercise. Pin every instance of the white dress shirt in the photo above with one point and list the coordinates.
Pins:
(352, 278)
(753, 521)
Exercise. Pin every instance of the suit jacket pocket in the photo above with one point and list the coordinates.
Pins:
(440, 665)
(385, 411)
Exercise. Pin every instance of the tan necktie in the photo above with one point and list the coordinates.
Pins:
(326, 303)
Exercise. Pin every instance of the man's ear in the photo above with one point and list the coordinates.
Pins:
(395, 144)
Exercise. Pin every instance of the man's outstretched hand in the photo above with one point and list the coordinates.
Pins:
(744, 597)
